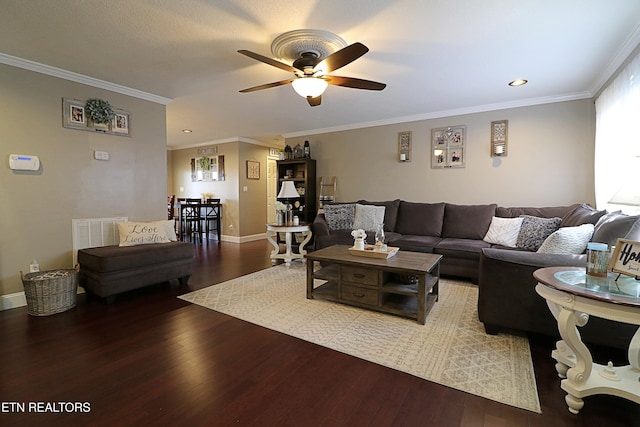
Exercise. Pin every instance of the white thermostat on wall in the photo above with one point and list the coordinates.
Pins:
(24, 162)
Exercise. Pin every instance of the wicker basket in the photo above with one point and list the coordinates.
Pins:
(50, 292)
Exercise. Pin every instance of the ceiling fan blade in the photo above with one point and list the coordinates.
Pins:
(354, 83)
(267, 86)
(314, 102)
(342, 57)
(268, 60)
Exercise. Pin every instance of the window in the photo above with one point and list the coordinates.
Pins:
(617, 148)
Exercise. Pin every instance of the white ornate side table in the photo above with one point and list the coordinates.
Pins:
(288, 255)
(572, 296)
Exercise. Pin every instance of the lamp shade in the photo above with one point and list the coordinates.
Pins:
(288, 191)
(309, 86)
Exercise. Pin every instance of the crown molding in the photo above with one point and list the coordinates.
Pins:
(80, 78)
(448, 113)
(620, 59)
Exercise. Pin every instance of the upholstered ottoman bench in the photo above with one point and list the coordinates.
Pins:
(110, 270)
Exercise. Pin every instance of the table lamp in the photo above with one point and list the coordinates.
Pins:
(288, 191)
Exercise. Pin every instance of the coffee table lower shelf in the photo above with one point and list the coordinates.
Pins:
(404, 303)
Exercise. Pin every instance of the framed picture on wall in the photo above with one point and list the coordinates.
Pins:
(120, 123)
(253, 169)
(448, 147)
(74, 115)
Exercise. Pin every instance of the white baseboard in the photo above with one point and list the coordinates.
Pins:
(9, 301)
(243, 239)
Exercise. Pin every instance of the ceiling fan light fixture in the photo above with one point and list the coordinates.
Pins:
(309, 86)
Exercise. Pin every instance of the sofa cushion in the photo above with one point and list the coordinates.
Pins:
(390, 212)
(582, 214)
(340, 216)
(544, 212)
(414, 243)
(423, 219)
(613, 226)
(115, 258)
(568, 240)
(535, 230)
(368, 217)
(504, 231)
(467, 221)
(461, 248)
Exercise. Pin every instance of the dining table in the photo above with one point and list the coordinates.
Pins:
(194, 217)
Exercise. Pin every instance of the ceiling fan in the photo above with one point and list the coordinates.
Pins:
(311, 70)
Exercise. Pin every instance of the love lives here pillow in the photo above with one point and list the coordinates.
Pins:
(146, 233)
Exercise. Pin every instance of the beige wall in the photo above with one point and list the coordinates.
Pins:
(550, 159)
(37, 207)
(243, 212)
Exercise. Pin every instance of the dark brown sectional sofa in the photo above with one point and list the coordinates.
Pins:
(507, 298)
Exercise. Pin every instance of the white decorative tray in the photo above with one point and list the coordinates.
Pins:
(372, 252)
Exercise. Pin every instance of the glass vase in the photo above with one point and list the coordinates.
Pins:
(380, 235)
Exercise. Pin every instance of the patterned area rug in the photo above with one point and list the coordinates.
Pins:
(450, 349)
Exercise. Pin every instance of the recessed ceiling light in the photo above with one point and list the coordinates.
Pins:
(518, 82)
(187, 130)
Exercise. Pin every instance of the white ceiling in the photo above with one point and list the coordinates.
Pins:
(437, 57)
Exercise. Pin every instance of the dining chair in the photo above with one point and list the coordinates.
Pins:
(212, 214)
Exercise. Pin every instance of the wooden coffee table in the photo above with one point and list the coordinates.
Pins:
(405, 284)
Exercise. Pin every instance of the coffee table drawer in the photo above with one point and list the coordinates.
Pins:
(366, 276)
(359, 294)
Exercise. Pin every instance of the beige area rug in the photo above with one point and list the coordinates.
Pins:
(450, 349)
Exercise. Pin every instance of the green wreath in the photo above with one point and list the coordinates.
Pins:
(204, 163)
(99, 111)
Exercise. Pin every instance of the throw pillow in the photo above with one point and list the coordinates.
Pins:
(634, 232)
(583, 214)
(568, 240)
(142, 233)
(504, 231)
(368, 217)
(340, 217)
(535, 230)
(612, 226)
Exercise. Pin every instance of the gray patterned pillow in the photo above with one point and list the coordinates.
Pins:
(535, 230)
(340, 217)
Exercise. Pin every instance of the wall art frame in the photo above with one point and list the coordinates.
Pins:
(207, 169)
(499, 138)
(120, 123)
(74, 116)
(404, 146)
(448, 147)
(253, 169)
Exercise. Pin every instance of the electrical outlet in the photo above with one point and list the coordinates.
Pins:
(101, 155)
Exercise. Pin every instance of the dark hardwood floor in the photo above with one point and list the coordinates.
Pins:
(151, 359)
